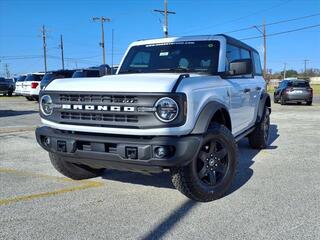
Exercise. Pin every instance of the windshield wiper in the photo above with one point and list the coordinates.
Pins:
(177, 69)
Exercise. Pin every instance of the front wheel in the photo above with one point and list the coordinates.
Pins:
(210, 174)
(72, 170)
(282, 100)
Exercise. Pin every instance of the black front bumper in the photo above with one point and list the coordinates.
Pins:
(119, 152)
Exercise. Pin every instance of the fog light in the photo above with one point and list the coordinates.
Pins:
(46, 141)
(161, 152)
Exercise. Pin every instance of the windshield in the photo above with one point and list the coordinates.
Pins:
(190, 56)
(33, 77)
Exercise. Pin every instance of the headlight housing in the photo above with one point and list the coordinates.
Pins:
(167, 109)
(46, 105)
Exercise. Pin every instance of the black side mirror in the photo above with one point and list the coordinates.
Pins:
(240, 67)
(104, 69)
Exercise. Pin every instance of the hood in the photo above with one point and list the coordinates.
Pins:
(142, 82)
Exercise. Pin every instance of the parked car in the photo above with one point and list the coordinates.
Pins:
(89, 72)
(50, 76)
(293, 90)
(19, 83)
(31, 86)
(6, 86)
(177, 104)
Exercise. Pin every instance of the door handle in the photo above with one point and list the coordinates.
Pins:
(258, 88)
(246, 90)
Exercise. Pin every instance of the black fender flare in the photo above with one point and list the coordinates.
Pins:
(265, 100)
(206, 115)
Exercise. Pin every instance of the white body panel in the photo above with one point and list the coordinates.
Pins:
(199, 89)
(26, 89)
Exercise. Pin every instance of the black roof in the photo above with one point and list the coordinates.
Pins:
(237, 42)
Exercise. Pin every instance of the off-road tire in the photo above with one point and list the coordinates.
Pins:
(10, 94)
(73, 171)
(186, 180)
(258, 139)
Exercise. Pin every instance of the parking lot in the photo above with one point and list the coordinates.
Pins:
(275, 194)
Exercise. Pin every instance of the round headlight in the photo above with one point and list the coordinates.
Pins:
(166, 109)
(46, 105)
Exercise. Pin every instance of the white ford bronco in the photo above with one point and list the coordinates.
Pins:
(179, 104)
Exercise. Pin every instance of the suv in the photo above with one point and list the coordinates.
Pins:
(19, 84)
(50, 76)
(293, 90)
(31, 86)
(178, 104)
(7, 86)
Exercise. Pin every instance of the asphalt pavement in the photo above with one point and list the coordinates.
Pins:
(274, 196)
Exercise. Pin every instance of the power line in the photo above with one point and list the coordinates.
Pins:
(284, 32)
(274, 23)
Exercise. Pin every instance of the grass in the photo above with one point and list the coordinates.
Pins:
(316, 89)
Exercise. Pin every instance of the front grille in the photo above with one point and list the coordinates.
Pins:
(72, 98)
(99, 117)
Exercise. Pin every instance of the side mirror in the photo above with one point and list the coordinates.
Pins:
(104, 69)
(240, 67)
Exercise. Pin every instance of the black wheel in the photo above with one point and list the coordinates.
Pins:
(72, 170)
(29, 98)
(258, 139)
(282, 100)
(309, 103)
(210, 174)
(275, 99)
(9, 94)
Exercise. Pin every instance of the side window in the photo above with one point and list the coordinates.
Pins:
(245, 54)
(232, 54)
(257, 64)
(141, 59)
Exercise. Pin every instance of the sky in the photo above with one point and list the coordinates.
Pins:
(21, 21)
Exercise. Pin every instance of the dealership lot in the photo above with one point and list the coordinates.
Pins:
(275, 194)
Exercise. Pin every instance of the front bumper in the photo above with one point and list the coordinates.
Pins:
(111, 151)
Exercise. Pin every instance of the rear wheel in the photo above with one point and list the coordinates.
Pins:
(275, 99)
(29, 98)
(258, 139)
(10, 94)
(309, 103)
(210, 174)
(72, 170)
(282, 100)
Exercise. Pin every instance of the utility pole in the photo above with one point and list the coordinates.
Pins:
(264, 34)
(284, 70)
(112, 49)
(44, 36)
(62, 55)
(305, 66)
(102, 20)
(7, 70)
(165, 13)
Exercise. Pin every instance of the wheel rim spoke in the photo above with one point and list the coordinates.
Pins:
(212, 178)
(203, 156)
(203, 172)
(213, 146)
(222, 153)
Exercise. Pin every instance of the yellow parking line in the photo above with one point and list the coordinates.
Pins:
(85, 184)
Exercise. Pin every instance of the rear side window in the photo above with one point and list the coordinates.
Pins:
(245, 54)
(257, 63)
(232, 54)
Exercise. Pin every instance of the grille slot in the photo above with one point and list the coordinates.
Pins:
(80, 98)
(99, 117)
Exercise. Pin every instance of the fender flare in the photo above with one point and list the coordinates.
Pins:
(206, 115)
(265, 100)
